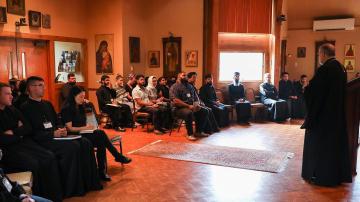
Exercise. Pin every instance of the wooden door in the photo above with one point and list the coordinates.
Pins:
(31, 60)
(7, 59)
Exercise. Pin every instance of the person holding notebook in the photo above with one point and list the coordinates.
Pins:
(74, 116)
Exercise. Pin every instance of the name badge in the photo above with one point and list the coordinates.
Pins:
(188, 95)
(7, 184)
(47, 125)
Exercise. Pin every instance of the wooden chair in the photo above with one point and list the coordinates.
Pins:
(141, 117)
(258, 109)
(231, 108)
(176, 119)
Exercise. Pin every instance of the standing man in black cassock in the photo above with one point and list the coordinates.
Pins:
(208, 96)
(22, 153)
(326, 159)
(76, 159)
(237, 98)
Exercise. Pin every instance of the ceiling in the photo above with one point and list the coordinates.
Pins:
(301, 13)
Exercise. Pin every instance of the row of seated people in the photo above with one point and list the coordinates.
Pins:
(60, 168)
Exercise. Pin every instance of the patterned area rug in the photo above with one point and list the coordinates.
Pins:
(251, 159)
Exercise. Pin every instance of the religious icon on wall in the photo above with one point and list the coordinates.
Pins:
(34, 19)
(134, 47)
(349, 65)
(46, 21)
(16, 7)
(349, 50)
(191, 58)
(104, 44)
(301, 52)
(171, 55)
(3, 17)
(154, 58)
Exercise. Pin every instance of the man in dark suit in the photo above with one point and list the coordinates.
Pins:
(237, 98)
(326, 159)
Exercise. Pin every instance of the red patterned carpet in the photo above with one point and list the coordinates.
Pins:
(160, 179)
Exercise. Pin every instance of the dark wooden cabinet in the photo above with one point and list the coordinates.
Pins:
(245, 16)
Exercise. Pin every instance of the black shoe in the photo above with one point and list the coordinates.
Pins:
(104, 177)
(123, 159)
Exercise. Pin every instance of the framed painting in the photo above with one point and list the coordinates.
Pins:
(171, 56)
(191, 58)
(349, 50)
(134, 48)
(16, 7)
(104, 46)
(349, 65)
(301, 52)
(3, 17)
(154, 58)
(46, 21)
(34, 19)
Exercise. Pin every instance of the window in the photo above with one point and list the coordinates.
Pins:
(250, 66)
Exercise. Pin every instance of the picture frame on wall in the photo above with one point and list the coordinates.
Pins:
(301, 52)
(349, 50)
(34, 19)
(171, 55)
(191, 58)
(3, 16)
(46, 21)
(349, 65)
(134, 49)
(154, 58)
(16, 7)
(104, 46)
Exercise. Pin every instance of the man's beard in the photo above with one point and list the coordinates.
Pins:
(183, 80)
(72, 83)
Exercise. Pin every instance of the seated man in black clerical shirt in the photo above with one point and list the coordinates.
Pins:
(269, 96)
(211, 126)
(208, 96)
(22, 153)
(119, 113)
(64, 92)
(299, 108)
(287, 92)
(76, 159)
(237, 98)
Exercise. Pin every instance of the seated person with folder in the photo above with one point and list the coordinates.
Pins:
(120, 114)
(74, 116)
(76, 159)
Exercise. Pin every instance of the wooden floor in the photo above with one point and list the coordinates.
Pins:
(157, 179)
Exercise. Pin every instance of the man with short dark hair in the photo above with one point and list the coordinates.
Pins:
(208, 96)
(131, 84)
(143, 103)
(326, 159)
(287, 93)
(76, 159)
(65, 90)
(22, 153)
(211, 124)
(120, 114)
(187, 105)
(237, 98)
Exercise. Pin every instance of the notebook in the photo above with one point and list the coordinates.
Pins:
(69, 137)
